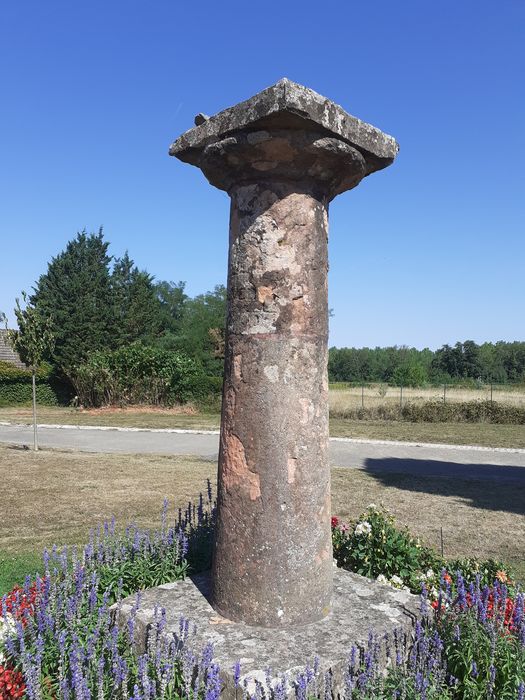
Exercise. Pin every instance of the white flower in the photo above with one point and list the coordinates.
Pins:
(372, 506)
(363, 528)
(426, 576)
(396, 581)
(382, 579)
(7, 629)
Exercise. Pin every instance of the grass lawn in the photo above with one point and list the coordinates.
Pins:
(57, 496)
(485, 434)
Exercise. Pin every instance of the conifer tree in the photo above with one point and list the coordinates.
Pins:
(137, 311)
(75, 293)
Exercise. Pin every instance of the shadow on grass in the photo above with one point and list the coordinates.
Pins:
(485, 486)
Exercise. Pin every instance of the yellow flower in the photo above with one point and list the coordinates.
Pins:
(502, 576)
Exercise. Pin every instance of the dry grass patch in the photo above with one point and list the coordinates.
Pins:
(54, 496)
(349, 397)
(133, 417)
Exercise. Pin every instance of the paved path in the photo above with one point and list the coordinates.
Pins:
(374, 455)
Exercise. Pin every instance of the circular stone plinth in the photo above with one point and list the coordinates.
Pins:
(358, 606)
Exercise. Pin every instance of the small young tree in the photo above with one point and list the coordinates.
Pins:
(33, 339)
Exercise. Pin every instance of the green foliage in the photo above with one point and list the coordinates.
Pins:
(172, 299)
(374, 546)
(34, 337)
(19, 393)
(474, 654)
(141, 570)
(138, 374)
(409, 374)
(137, 310)
(466, 411)
(96, 304)
(499, 362)
(11, 372)
(76, 293)
(199, 331)
(16, 386)
(378, 364)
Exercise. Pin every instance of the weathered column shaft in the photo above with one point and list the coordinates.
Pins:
(281, 156)
(273, 551)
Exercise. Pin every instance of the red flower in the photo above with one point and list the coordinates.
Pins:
(507, 609)
(335, 521)
(11, 683)
(18, 602)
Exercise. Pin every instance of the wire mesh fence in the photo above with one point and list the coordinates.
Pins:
(351, 396)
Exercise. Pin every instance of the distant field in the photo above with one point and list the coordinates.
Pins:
(344, 397)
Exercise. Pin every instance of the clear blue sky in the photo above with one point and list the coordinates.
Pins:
(428, 251)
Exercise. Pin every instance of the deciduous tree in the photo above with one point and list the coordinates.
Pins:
(33, 340)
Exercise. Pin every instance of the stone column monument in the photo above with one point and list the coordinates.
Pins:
(282, 156)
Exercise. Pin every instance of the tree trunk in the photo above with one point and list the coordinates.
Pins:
(35, 436)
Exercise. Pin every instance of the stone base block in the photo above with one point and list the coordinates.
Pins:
(358, 606)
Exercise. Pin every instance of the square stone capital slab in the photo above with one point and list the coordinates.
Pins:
(288, 105)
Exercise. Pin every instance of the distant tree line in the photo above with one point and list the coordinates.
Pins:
(467, 362)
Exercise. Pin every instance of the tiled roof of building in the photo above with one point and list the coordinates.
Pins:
(7, 354)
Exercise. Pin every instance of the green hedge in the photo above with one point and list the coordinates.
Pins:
(16, 386)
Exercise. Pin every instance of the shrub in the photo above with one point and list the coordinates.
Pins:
(375, 547)
(139, 374)
(439, 412)
(467, 411)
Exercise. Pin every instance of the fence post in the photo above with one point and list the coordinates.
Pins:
(362, 395)
(401, 396)
(444, 393)
(490, 392)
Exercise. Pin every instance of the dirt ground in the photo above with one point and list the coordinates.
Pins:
(56, 497)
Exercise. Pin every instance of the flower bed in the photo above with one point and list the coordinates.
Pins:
(58, 638)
